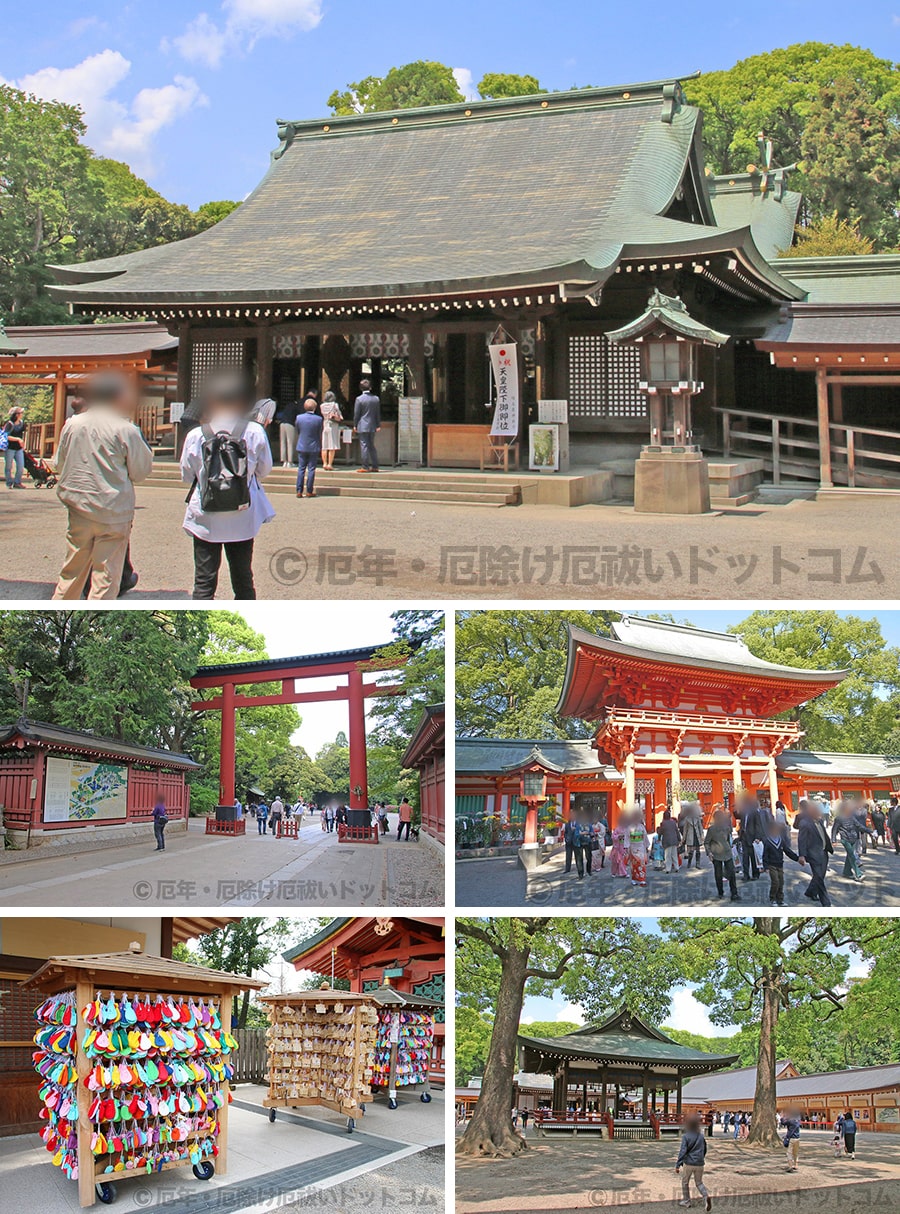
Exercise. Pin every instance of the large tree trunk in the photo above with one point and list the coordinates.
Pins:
(764, 1131)
(490, 1131)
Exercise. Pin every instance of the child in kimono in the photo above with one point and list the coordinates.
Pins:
(638, 848)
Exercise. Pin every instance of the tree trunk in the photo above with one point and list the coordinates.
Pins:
(490, 1131)
(764, 1131)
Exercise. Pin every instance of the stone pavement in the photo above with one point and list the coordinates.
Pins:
(502, 882)
(385, 549)
(587, 1174)
(303, 1159)
(252, 871)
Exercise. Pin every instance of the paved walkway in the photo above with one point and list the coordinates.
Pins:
(503, 882)
(802, 550)
(297, 1162)
(585, 1174)
(245, 872)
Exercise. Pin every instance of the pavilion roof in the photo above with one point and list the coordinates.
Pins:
(525, 192)
(488, 756)
(665, 312)
(624, 1038)
(740, 1084)
(60, 738)
(133, 968)
(868, 279)
(650, 648)
(738, 199)
(831, 763)
(841, 326)
(59, 342)
(428, 736)
(347, 940)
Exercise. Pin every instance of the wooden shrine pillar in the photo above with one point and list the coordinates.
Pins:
(603, 1095)
(531, 822)
(498, 802)
(666, 1104)
(565, 1085)
(264, 383)
(560, 1097)
(644, 1094)
(772, 772)
(676, 781)
(824, 418)
(566, 803)
(359, 789)
(183, 387)
(678, 1097)
(629, 780)
(226, 746)
(584, 1098)
(416, 360)
(736, 774)
(59, 407)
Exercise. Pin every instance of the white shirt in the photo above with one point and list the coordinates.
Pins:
(229, 526)
(265, 411)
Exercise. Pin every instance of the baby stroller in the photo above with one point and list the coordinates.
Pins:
(40, 471)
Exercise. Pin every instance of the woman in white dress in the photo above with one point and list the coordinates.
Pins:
(331, 431)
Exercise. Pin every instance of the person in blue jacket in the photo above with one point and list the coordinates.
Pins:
(692, 1157)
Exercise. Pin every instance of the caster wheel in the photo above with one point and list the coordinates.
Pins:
(351, 1125)
(425, 1098)
(272, 1113)
(392, 1104)
(203, 1170)
(105, 1193)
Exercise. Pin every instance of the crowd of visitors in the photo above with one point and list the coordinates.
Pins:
(746, 840)
(226, 455)
(269, 815)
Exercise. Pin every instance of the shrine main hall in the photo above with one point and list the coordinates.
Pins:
(676, 713)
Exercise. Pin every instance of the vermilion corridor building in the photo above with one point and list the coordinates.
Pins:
(677, 713)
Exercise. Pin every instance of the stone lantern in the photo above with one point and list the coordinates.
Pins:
(671, 476)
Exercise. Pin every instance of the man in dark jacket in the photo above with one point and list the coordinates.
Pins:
(776, 845)
(750, 829)
(367, 423)
(814, 846)
(692, 1157)
(894, 822)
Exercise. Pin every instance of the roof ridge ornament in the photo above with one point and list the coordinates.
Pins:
(673, 100)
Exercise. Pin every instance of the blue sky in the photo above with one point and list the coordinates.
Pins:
(188, 91)
(721, 621)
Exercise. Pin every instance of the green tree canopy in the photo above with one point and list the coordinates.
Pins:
(411, 86)
(860, 714)
(507, 84)
(246, 946)
(829, 236)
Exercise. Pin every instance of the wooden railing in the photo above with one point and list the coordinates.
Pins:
(357, 834)
(789, 446)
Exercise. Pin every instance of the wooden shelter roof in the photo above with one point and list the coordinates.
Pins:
(136, 970)
(617, 671)
(57, 737)
(349, 940)
(526, 192)
(623, 1039)
(428, 736)
(58, 343)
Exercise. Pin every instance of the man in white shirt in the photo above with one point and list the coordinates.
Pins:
(101, 456)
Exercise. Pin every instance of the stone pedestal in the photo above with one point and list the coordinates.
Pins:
(530, 855)
(671, 480)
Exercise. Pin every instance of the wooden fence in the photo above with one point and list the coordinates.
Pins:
(250, 1065)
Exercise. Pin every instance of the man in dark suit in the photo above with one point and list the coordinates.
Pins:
(750, 829)
(367, 423)
(814, 846)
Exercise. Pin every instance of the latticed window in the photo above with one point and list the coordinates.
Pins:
(432, 989)
(604, 378)
(207, 356)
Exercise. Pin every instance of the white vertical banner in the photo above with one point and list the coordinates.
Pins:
(505, 366)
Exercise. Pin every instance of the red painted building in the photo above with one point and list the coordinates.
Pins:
(425, 754)
(404, 952)
(55, 780)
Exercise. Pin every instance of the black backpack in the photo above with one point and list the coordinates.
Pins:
(224, 482)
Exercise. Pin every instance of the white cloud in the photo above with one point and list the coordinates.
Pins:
(689, 1014)
(240, 27)
(115, 127)
(571, 1012)
(465, 83)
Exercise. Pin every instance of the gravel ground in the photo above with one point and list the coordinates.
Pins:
(584, 1174)
(845, 548)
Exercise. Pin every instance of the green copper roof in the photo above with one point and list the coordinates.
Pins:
(667, 312)
(623, 1038)
(738, 200)
(8, 346)
(868, 279)
(527, 192)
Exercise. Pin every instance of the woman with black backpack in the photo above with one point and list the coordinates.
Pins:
(225, 459)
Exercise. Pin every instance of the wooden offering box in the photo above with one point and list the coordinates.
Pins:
(133, 1053)
(321, 1050)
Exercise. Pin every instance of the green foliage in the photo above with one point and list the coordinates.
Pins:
(506, 84)
(473, 1037)
(509, 671)
(293, 774)
(832, 110)
(37, 402)
(411, 86)
(829, 236)
(211, 213)
(243, 947)
(859, 715)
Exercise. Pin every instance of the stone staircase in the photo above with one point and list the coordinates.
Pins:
(407, 485)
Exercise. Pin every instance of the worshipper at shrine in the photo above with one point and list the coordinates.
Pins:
(749, 832)
(692, 1157)
(719, 844)
(224, 460)
(405, 819)
(618, 856)
(287, 432)
(848, 1133)
(367, 423)
(600, 831)
(791, 1141)
(100, 458)
(879, 823)
(262, 815)
(14, 454)
(849, 830)
(690, 823)
(670, 837)
(160, 819)
(814, 846)
(638, 848)
(776, 844)
(894, 822)
(276, 813)
(331, 430)
(581, 843)
(309, 447)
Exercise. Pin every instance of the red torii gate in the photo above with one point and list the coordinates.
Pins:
(288, 671)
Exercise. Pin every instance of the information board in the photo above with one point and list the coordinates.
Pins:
(79, 791)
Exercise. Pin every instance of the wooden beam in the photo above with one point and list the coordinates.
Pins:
(824, 420)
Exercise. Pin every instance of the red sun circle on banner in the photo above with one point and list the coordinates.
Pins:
(502, 353)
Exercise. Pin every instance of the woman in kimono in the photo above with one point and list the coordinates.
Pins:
(618, 856)
(638, 847)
